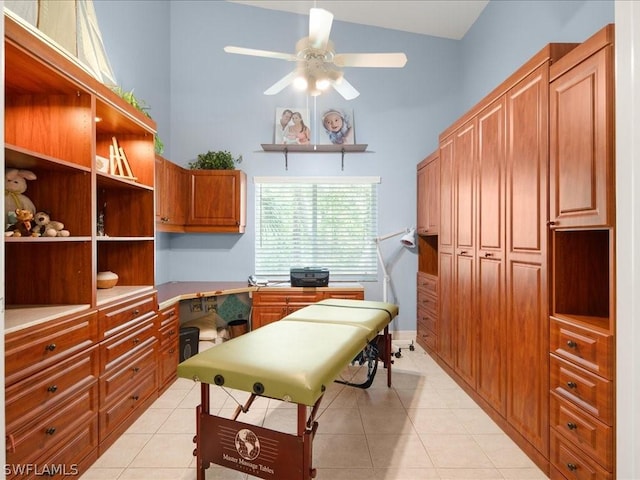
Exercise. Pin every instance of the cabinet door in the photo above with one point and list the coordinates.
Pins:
(582, 144)
(527, 322)
(428, 195)
(217, 199)
(490, 266)
(446, 331)
(445, 238)
(176, 194)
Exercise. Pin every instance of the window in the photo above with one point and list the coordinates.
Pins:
(320, 222)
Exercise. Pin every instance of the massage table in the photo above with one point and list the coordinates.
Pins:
(292, 360)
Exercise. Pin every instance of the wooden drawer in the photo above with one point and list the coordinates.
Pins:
(127, 376)
(588, 348)
(349, 295)
(590, 392)
(572, 463)
(123, 346)
(126, 403)
(32, 349)
(168, 363)
(42, 393)
(589, 435)
(285, 297)
(123, 315)
(169, 315)
(428, 318)
(169, 332)
(427, 303)
(428, 283)
(426, 338)
(32, 440)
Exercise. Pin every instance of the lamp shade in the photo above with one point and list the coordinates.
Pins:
(409, 239)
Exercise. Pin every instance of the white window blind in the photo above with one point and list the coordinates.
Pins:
(320, 222)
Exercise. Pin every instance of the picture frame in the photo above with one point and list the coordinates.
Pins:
(336, 126)
(292, 126)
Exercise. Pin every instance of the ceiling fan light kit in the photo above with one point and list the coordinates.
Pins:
(318, 64)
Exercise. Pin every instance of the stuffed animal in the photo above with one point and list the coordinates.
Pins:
(22, 228)
(15, 184)
(45, 227)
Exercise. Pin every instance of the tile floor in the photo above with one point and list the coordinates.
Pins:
(424, 427)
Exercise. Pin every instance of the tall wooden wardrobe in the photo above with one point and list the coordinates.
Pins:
(524, 271)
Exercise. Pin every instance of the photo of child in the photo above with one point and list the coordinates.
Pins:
(337, 127)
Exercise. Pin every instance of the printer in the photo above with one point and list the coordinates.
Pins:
(309, 276)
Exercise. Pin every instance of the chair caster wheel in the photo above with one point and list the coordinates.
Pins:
(412, 347)
(397, 354)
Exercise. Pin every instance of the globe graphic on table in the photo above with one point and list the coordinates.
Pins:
(247, 444)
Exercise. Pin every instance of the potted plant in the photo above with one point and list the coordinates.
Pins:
(219, 160)
(141, 106)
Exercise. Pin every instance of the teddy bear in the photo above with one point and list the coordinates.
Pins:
(22, 227)
(15, 184)
(45, 227)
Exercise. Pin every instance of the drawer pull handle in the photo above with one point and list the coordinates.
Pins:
(50, 430)
(135, 397)
(172, 351)
(463, 252)
(51, 347)
(135, 369)
(572, 344)
(172, 313)
(572, 385)
(571, 426)
(572, 466)
(136, 341)
(136, 312)
(172, 332)
(487, 255)
(52, 389)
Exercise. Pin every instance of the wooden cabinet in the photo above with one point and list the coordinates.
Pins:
(128, 359)
(427, 321)
(582, 206)
(493, 300)
(52, 391)
(169, 352)
(217, 201)
(428, 192)
(171, 196)
(582, 181)
(271, 304)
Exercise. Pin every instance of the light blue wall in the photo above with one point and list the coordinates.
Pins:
(204, 99)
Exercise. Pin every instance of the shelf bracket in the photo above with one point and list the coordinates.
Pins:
(286, 158)
(342, 158)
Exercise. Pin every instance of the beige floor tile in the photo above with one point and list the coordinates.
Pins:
(153, 473)
(405, 451)
(151, 420)
(165, 451)
(455, 451)
(469, 474)
(340, 421)
(380, 397)
(123, 451)
(381, 420)
(475, 420)
(345, 474)
(95, 473)
(171, 398)
(405, 474)
(533, 473)
(181, 420)
(341, 451)
(429, 398)
(435, 420)
(502, 451)
(255, 416)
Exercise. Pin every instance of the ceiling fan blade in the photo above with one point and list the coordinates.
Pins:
(345, 89)
(320, 21)
(388, 60)
(260, 53)
(280, 84)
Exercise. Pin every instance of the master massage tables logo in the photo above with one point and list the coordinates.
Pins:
(247, 444)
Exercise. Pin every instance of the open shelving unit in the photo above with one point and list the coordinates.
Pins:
(293, 148)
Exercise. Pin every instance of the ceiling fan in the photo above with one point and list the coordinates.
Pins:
(318, 65)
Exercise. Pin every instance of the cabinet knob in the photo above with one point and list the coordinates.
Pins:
(136, 341)
(136, 312)
(52, 388)
(51, 347)
(135, 369)
(572, 384)
(571, 426)
(135, 397)
(50, 430)
(572, 466)
(551, 223)
(172, 351)
(172, 332)
(572, 344)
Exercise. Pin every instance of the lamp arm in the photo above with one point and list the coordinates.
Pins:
(385, 274)
(391, 235)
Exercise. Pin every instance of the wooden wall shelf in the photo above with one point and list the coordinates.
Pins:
(272, 147)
